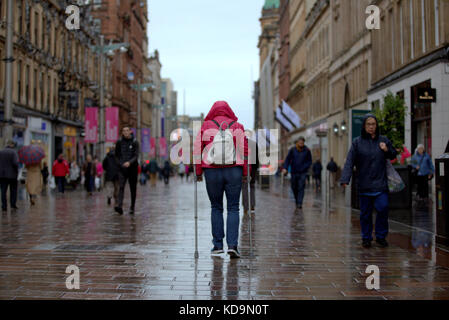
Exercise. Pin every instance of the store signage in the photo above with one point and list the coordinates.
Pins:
(70, 131)
(427, 95)
(112, 124)
(283, 121)
(91, 125)
(291, 115)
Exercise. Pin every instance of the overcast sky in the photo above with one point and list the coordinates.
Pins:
(208, 48)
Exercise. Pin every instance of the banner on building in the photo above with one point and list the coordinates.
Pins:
(146, 146)
(283, 121)
(112, 127)
(152, 147)
(162, 147)
(91, 125)
(291, 115)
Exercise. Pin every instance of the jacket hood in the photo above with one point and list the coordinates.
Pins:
(221, 108)
(365, 134)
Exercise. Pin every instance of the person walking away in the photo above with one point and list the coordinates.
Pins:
(332, 168)
(424, 168)
(127, 154)
(187, 172)
(45, 173)
(33, 181)
(75, 173)
(60, 170)
(223, 178)
(317, 169)
(89, 173)
(99, 173)
(181, 170)
(369, 153)
(166, 172)
(252, 187)
(111, 167)
(9, 171)
(300, 160)
(153, 169)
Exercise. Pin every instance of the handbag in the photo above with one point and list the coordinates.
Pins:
(52, 183)
(395, 182)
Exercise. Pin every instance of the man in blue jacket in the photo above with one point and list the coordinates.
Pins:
(300, 160)
(369, 154)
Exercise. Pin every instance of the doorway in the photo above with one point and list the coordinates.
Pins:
(421, 119)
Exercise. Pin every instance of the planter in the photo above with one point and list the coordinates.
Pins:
(400, 200)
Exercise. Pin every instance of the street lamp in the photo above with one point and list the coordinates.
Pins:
(139, 88)
(103, 50)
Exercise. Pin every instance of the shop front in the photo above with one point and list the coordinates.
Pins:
(39, 133)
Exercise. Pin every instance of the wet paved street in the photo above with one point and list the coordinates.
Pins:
(313, 254)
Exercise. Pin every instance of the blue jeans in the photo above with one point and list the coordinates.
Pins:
(367, 205)
(218, 182)
(298, 182)
(60, 182)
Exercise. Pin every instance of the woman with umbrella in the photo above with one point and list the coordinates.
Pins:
(32, 156)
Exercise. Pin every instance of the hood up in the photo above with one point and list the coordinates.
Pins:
(365, 134)
(221, 108)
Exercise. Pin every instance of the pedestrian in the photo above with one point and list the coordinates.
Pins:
(332, 167)
(300, 160)
(60, 170)
(404, 153)
(424, 170)
(252, 187)
(153, 169)
(89, 174)
(317, 169)
(181, 170)
(220, 178)
(33, 181)
(187, 172)
(111, 167)
(75, 173)
(127, 154)
(9, 171)
(45, 173)
(99, 173)
(369, 153)
(166, 172)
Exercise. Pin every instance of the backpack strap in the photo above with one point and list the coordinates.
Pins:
(216, 123)
(231, 124)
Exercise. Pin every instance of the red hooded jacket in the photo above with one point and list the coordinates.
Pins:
(60, 169)
(221, 112)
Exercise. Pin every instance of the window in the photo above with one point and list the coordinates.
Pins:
(20, 15)
(41, 87)
(35, 89)
(19, 80)
(27, 85)
(36, 29)
(44, 23)
(47, 109)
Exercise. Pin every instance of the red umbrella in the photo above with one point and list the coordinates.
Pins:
(32, 154)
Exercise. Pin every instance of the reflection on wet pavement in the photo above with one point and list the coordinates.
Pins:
(310, 254)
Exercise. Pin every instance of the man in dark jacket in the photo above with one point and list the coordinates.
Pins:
(153, 169)
(332, 168)
(369, 154)
(317, 168)
(300, 160)
(112, 169)
(127, 154)
(9, 170)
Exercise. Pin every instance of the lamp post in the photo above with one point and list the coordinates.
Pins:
(103, 49)
(8, 130)
(139, 87)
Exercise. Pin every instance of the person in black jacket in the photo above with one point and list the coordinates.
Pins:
(300, 160)
(127, 154)
(332, 168)
(9, 170)
(369, 153)
(111, 167)
(317, 168)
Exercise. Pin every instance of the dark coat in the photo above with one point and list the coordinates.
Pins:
(127, 150)
(153, 167)
(299, 161)
(332, 166)
(369, 160)
(111, 166)
(9, 164)
(317, 168)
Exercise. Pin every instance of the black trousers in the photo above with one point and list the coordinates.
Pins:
(125, 175)
(423, 186)
(12, 184)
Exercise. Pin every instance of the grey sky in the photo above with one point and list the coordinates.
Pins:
(208, 48)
